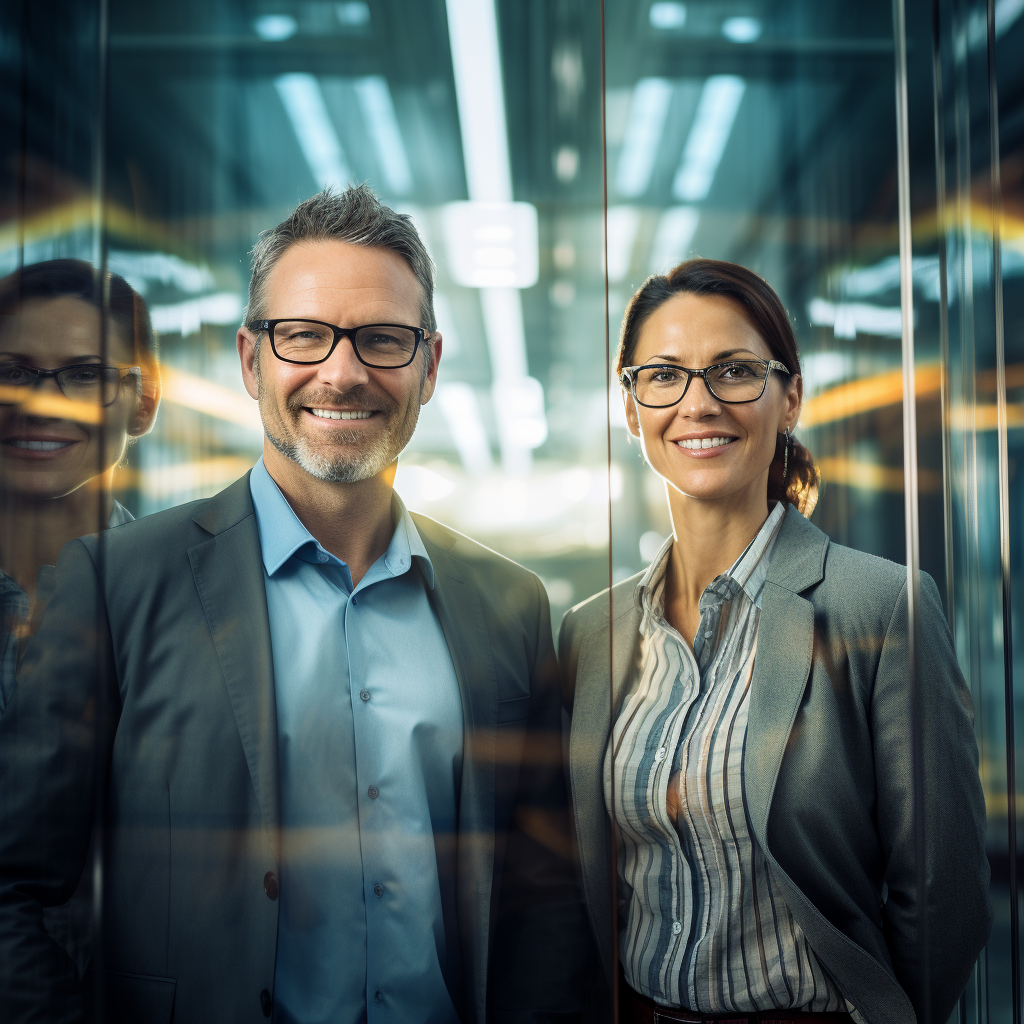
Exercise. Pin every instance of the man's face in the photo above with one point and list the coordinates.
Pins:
(339, 420)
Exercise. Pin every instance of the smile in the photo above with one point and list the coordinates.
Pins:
(705, 442)
(39, 446)
(338, 414)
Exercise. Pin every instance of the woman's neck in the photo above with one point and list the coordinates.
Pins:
(33, 530)
(708, 538)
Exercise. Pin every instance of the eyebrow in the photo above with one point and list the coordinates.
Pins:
(721, 355)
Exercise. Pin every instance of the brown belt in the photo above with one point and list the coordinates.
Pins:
(637, 1009)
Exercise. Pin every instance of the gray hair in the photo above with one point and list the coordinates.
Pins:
(356, 216)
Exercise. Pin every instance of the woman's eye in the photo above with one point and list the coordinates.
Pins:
(84, 375)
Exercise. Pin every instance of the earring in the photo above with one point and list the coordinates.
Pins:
(785, 456)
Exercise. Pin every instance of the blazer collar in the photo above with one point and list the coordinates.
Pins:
(798, 558)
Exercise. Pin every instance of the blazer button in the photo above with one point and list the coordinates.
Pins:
(266, 1002)
(270, 887)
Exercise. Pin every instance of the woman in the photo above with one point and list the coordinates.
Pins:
(69, 406)
(741, 768)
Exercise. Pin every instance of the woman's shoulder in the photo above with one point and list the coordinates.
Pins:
(597, 613)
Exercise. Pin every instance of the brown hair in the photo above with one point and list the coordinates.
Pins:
(768, 316)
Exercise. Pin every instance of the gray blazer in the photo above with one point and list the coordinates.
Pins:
(827, 770)
(151, 683)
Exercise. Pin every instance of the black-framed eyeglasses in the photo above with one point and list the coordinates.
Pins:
(659, 385)
(81, 382)
(380, 346)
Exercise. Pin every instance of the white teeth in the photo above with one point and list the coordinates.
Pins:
(704, 442)
(40, 446)
(336, 414)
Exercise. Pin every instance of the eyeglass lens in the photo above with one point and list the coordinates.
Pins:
(303, 341)
(659, 386)
(85, 383)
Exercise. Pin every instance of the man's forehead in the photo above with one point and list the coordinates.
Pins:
(344, 271)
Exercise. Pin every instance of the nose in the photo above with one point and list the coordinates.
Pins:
(342, 370)
(698, 402)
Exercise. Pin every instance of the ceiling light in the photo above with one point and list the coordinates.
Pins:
(623, 224)
(716, 110)
(382, 124)
(667, 15)
(354, 14)
(275, 27)
(567, 163)
(304, 103)
(1006, 13)
(673, 237)
(741, 30)
(491, 245)
(461, 410)
(640, 144)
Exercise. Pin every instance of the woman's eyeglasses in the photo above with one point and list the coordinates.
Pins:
(659, 385)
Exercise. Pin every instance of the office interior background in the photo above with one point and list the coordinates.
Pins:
(554, 153)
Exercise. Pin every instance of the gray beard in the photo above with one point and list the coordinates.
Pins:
(375, 456)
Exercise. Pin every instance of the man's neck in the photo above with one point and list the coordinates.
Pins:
(350, 520)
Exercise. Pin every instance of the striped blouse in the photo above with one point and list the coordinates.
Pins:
(706, 926)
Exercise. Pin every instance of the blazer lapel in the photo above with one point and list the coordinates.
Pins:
(602, 678)
(462, 622)
(228, 572)
(782, 665)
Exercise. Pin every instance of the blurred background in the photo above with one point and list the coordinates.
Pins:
(553, 154)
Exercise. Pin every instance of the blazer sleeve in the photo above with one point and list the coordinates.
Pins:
(956, 905)
(540, 938)
(54, 740)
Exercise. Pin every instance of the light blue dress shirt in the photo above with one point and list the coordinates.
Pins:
(369, 720)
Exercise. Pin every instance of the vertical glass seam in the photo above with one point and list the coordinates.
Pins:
(910, 488)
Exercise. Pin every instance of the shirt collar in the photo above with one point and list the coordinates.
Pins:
(748, 571)
(283, 535)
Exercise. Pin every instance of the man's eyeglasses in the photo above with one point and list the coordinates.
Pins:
(659, 385)
(380, 346)
(81, 382)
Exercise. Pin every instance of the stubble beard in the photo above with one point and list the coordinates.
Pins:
(322, 460)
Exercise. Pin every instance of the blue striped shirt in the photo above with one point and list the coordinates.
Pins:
(706, 926)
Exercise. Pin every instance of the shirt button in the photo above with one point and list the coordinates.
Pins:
(676, 927)
(378, 997)
(378, 890)
(364, 694)
(321, 558)
(373, 791)
(266, 1003)
(659, 754)
(270, 886)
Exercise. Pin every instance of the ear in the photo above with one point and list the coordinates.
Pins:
(794, 401)
(432, 346)
(146, 403)
(245, 342)
(632, 417)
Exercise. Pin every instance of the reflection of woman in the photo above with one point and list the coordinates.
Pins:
(67, 411)
(750, 741)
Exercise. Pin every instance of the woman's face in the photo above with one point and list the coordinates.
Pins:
(697, 331)
(51, 447)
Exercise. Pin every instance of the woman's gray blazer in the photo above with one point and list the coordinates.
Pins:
(826, 770)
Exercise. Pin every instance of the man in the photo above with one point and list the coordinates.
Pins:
(326, 732)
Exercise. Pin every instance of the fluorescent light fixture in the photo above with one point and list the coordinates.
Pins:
(667, 15)
(476, 62)
(822, 369)
(186, 318)
(275, 28)
(446, 325)
(304, 103)
(518, 398)
(716, 111)
(461, 410)
(419, 485)
(491, 245)
(379, 114)
(673, 237)
(640, 144)
(354, 14)
(848, 319)
(741, 29)
(141, 269)
(1007, 12)
(623, 224)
